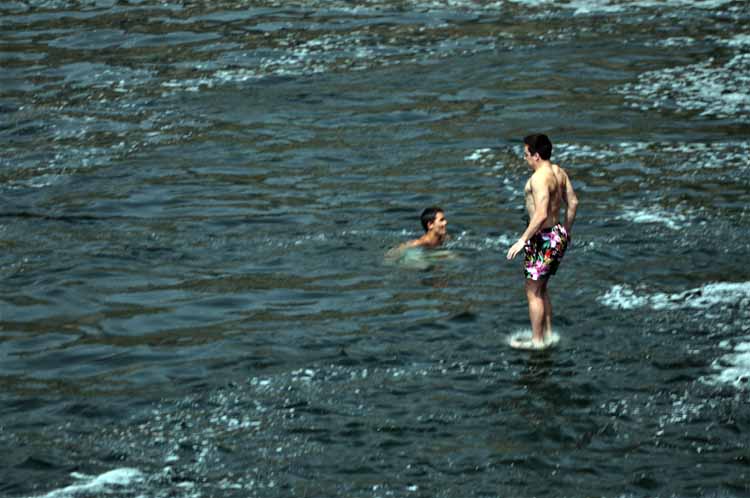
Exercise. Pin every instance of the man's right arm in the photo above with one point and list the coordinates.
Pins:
(571, 203)
(540, 191)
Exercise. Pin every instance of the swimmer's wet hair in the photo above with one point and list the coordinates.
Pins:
(429, 214)
(539, 143)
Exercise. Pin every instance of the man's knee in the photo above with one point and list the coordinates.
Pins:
(536, 288)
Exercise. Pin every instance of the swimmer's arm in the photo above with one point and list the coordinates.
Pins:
(394, 253)
(540, 193)
(571, 204)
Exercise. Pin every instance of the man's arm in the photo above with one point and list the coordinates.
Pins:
(540, 193)
(571, 203)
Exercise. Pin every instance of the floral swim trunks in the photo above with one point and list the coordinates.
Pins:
(544, 251)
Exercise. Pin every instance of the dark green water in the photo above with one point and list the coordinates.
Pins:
(195, 203)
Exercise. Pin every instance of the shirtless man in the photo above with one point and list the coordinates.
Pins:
(435, 227)
(545, 239)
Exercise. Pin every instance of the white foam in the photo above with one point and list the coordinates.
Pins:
(625, 298)
(581, 7)
(733, 368)
(676, 41)
(479, 155)
(237, 75)
(43, 181)
(466, 241)
(472, 5)
(98, 485)
(715, 89)
(710, 155)
(521, 339)
(688, 156)
(578, 6)
(739, 41)
(655, 215)
(356, 51)
(566, 151)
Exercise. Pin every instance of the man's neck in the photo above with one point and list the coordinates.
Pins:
(431, 240)
(541, 164)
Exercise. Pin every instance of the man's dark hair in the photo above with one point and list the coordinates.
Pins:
(428, 216)
(539, 143)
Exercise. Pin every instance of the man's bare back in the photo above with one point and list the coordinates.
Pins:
(554, 180)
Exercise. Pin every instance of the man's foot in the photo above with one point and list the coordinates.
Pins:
(523, 340)
(539, 344)
(525, 343)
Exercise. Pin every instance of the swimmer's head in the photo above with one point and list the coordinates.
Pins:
(538, 144)
(430, 216)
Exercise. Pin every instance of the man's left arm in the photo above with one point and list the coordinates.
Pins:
(571, 204)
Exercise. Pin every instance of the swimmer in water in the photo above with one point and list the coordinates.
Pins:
(545, 239)
(436, 232)
(435, 227)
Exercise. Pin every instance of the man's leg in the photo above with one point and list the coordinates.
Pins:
(535, 296)
(547, 313)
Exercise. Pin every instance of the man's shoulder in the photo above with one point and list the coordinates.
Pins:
(398, 250)
(560, 171)
(544, 175)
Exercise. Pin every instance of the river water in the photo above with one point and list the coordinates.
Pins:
(195, 203)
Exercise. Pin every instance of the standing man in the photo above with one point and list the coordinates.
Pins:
(545, 239)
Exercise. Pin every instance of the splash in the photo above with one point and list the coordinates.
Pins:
(522, 340)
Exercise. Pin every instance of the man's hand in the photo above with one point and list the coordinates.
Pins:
(515, 249)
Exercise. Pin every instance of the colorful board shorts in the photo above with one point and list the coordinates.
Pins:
(544, 251)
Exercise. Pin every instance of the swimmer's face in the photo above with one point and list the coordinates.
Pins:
(440, 225)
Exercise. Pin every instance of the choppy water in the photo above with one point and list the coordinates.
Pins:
(196, 198)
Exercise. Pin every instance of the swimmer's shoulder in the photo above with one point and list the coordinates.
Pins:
(400, 249)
